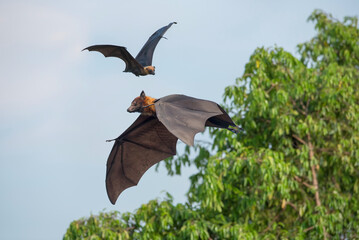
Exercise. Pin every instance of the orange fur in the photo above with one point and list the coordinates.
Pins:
(151, 109)
(143, 104)
(149, 70)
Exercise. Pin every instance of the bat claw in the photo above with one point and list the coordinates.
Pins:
(235, 129)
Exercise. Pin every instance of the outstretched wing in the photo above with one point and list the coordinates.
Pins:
(186, 116)
(143, 144)
(117, 51)
(145, 56)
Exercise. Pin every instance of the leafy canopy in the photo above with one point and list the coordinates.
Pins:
(292, 174)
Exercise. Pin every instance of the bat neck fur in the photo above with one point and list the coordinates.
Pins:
(148, 106)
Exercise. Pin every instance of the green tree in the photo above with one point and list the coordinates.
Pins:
(292, 174)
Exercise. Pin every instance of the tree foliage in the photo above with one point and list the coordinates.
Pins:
(294, 171)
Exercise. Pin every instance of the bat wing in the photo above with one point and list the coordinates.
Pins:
(145, 56)
(186, 116)
(143, 144)
(132, 65)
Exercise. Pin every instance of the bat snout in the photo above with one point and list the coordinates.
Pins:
(132, 109)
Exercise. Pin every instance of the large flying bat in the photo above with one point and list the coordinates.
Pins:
(154, 134)
(142, 64)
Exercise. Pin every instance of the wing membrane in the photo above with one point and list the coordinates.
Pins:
(145, 55)
(132, 65)
(186, 116)
(143, 144)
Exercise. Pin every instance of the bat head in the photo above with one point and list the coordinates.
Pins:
(143, 104)
(150, 70)
(137, 103)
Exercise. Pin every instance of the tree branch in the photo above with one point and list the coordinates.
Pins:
(304, 107)
(271, 87)
(297, 108)
(298, 179)
(299, 139)
(314, 173)
(308, 229)
(315, 179)
(292, 205)
(289, 74)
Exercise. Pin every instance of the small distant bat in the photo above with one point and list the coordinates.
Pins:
(142, 64)
(154, 134)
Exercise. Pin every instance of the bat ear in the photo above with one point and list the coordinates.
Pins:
(143, 95)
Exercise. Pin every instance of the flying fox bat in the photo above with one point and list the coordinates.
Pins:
(154, 134)
(142, 64)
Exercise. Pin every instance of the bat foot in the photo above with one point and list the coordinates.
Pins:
(110, 140)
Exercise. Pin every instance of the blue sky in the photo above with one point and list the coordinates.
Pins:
(58, 105)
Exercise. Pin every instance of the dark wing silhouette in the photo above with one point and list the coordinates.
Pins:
(186, 116)
(117, 51)
(143, 144)
(144, 57)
